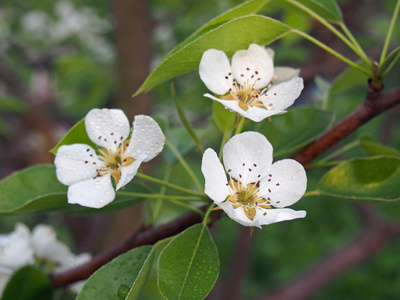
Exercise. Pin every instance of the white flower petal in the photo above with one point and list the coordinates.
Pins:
(278, 215)
(75, 163)
(288, 183)
(94, 193)
(107, 127)
(282, 74)
(214, 68)
(254, 113)
(15, 248)
(253, 66)
(270, 52)
(46, 245)
(248, 157)
(147, 138)
(127, 173)
(282, 95)
(215, 177)
(238, 215)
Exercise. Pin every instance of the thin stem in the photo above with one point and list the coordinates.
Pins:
(389, 58)
(169, 185)
(392, 64)
(331, 28)
(158, 203)
(185, 205)
(325, 164)
(184, 164)
(364, 56)
(225, 138)
(312, 193)
(389, 34)
(185, 121)
(207, 214)
(161, 196)
(333, 52)
(240, 125)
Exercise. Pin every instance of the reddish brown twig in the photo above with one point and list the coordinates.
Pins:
(373, 106)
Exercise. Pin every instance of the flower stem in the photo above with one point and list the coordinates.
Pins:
(316, 16)
(169, 185)
(392, 64)
(185, 121)
(185, 205)
(333, 52)
(225, 138)
(312, 193)
(161, 196)
(184, 164)
(363, 56)
(389, 35)
(206, 215)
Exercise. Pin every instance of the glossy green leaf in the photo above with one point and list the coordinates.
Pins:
(76, 135)
(295, 129)
(224, 118)
(28, 283)
(230, 36)
(141, 279)
(114, 279)
(364, 179)
(373, 148)
(37, 189)
(189, 265)
(349, 78)
(327, 9)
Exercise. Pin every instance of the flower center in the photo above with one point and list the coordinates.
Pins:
(246, 94)
(114, 161)
(246, 196)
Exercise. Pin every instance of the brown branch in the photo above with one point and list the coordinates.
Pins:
(356, 251)
(373, 106)
(147, 237)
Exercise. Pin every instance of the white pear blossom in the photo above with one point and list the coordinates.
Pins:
(119, 154)
(257, 190)
(251, 86)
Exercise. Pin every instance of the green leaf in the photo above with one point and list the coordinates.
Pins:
(364, 179)
(327, 9)
(114, 280)
(188, 266)
(224, 118)
(230, 36)
(37, 189)
(141, 279)
(372, 148)
(295, 129)
(349, 78)
(28, 283)
(76, 135)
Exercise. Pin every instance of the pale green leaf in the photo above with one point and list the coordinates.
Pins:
(364, 179)
(189, 265)
(114, 279)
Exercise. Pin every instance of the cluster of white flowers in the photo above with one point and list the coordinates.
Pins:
(21, 248)
(257, 190)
